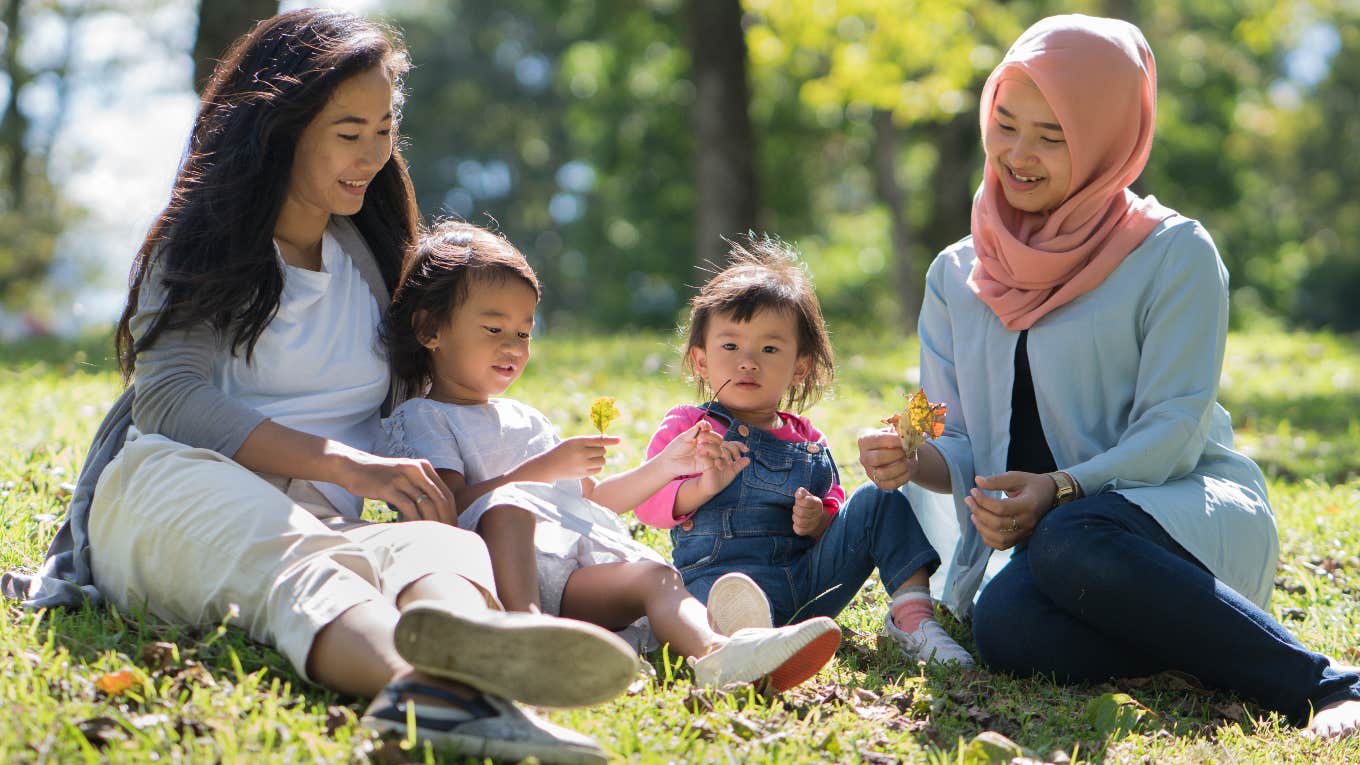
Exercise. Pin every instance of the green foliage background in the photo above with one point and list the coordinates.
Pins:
(568, 126)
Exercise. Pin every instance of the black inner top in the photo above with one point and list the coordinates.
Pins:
(1029, 450)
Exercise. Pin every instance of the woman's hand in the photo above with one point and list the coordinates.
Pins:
(576, 457)
(411, 486)
(885, 462)
(809, 514)
(1005, 522)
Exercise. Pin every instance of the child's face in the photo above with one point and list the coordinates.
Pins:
(485, 345)
(759, 357)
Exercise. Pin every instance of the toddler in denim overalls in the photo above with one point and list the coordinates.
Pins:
(770, 512)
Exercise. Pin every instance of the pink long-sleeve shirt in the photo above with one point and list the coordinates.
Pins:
(659, 510)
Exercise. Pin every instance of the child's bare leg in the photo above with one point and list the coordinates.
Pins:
(509, 535)
(614, 595)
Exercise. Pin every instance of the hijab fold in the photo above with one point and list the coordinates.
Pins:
(1099, 78)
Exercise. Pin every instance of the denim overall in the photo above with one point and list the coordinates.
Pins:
(748, 527)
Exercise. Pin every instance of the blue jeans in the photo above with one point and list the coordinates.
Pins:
(873, 529)
(1102, 591)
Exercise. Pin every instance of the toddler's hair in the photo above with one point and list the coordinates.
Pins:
(765, 273)
(434, 281)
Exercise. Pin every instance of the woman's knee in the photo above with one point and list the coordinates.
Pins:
(437, 545)
(1067, 537)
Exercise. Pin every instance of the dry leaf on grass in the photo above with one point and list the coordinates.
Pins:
(117, 683)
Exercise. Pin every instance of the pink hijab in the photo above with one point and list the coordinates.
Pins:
(1099, 77)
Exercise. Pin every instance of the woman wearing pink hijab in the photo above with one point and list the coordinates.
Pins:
(1077, 338)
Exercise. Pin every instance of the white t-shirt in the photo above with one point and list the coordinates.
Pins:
(318, 367)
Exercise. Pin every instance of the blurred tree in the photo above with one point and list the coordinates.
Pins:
(575, 129)
(725, 148)
(898, 80)
(32, 212)
(220, 22)
(567, 129)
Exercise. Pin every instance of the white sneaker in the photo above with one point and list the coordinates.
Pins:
(928, 643)
(534, 658)
(736, 602)
(788, 655)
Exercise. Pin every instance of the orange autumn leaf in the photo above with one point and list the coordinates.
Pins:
(921, 420)
(117, 683)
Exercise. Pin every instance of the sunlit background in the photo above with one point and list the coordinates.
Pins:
(578, 129)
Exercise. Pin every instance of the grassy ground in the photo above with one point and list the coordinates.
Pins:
(210, 695)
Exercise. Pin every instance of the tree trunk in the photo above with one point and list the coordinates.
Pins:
(958, 148)
(894, 197)
(14, 126)
(724, 146)
(220, 22)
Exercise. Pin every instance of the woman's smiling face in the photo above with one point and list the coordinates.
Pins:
(344, 146)
(1026, 147)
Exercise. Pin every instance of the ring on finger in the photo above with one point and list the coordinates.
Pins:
(422, 498)
(1015, 525)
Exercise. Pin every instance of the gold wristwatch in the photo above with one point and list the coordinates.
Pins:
(1067, 488)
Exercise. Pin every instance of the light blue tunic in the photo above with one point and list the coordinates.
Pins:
(1126, 380)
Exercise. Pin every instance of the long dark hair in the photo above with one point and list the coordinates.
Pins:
(435, 281)
(213, 245)
(765, 274)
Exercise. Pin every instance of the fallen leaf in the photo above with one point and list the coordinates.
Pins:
(101, 731)
(1117, 714)
(603, 413)
(864, 696)
(980, 716)
(1233, 711)
(337, 717)
(116, 683)
(992, 748)
(160, 655)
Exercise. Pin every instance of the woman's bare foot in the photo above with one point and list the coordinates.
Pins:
(1335, 721)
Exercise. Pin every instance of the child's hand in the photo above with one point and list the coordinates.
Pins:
(688, 453)
(576, 457)
(722, 461)
(809, 515)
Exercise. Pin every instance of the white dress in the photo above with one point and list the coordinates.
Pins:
(488, 440)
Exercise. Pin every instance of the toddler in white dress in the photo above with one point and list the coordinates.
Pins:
(458, 331)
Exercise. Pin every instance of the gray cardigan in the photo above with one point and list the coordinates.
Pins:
(172, 394)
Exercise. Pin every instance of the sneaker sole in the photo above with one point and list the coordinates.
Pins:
(736, 603)
(806, 662)
(542, 661)
(496, 749)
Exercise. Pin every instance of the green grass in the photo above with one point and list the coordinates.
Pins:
(210, 695)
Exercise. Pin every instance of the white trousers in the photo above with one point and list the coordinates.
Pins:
(188, 535)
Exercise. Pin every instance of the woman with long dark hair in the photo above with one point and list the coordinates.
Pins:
(230, 476)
